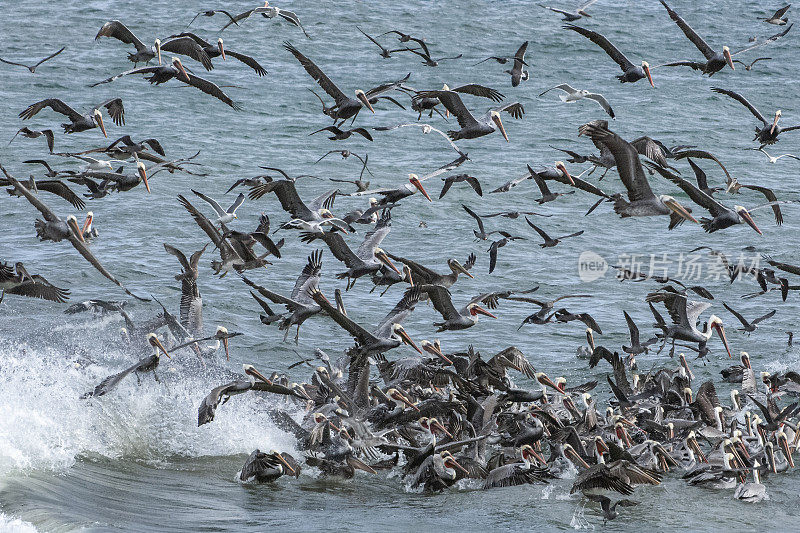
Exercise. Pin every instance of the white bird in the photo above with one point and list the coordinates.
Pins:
(98, 165)
(774, 160)
(426, 129)
(573, 95)
(225, 215)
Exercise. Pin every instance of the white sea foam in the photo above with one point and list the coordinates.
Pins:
(10, 524)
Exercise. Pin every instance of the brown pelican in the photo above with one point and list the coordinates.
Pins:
(748, 326)
(768, 133)
(144, 54)
(17, 281)
(421, 275)
(425, 54)
(610, 511)
(547, 195)
(715, 61)
(54, 229)
(454, 319)
(224, 215)
(723, 217)
(751, 492)
(191, 308)
(777, 17)
(268, 12)
(685, 314)
(574, 15)
(385, 52)
(630, 73)
(471, 127)
(57, 187)
(472, 181)
(305, 217)
(267, 467)
(387, 335)
(522, 473)
(518, 72)
(35, 134)
(220, 50)
(597, 479)
(32, 68)
(573, 95)
(641, 200)
(636, 347)
(80, 122)
(299, 303)
(549, 242)
(211, 13)
(438, 472)
(345, 107)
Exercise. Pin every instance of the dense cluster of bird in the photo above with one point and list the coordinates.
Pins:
(438, 416)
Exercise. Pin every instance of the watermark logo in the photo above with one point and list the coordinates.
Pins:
(591, 266)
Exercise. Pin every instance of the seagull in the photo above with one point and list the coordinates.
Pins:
(571, 16)
(35, 134)
(777, 17)
(225, 215)
(573, 95)
(549, 242)
(32, 68)
(340, 135)
(750, 66)
(269, 12)
(771, 159)
(751, 326)
(426, 129)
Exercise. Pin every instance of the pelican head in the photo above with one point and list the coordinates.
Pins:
(450, 462)
(222, 334)
(435, 424)
(254, 374)
(457, 268)
(415, 181)
(783, 442)
(715, 323)
(400, 332)
(176, 62)
(398, 396)
(72, 222)
(97, 116)
(646, 69)
(361, 95)
(87, 225)
(672, 204)
(775, 121)
(373, 201)
(381, 256)
(572, 455)
(744, 214)
(158, 50)
(142, 170)
(284, 464)
(152, 339)
(434, 349)
(527, 452)
(544, 379)
(221, 48)
(561, 167)
(726, 52)
(475, 309)
(495, 116)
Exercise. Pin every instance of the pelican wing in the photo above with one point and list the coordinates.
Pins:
(140, 70)
(385, 87)
(292, 17)
(287, 196)
(479, 90)
(39, 288)
(188, 47)
(742, 100)
(692, 35)
(441, 299)
(348, 325)
(117, 30)
(53, 103)
(206, 225)
(399, 312)
(374, 237)
(598, 39)
(514, 109)
(341, 250)
(309, 277)
(772, 199)
(315, 72)
(212, 89)
(116, 111)
(249, 61)
(538, 230)
(519, 57)
(698, 196)
(632, 328)
(452, 102)
(477, 218)
(59, 188)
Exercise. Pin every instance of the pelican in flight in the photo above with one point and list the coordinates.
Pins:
(218, 49)
(144, 54)
(573, 95)
(471, 127)
(163, 73)
(769, 131)
(685, 315)
(54, 229)
(305, 217)
(454, 319)
(714, 61)
(777, 18)
(79, 122)
(17, 281)
(630, 73)
(35, 134)
(641, 200)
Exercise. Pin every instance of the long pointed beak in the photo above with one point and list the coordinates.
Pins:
(577, 457)
(463, 270)
(721, 333)
(418, 184)
(407, 340)
(432, 348)
(99, 118)
(143, 175)
(407, 402)
(86, 225)
(157, 343)
(221, 49)
(227, 350)
(749, 220)
(455, 463)
(365, 101)
(383, 258)
(774, 123)
(285, 463)
(544, 379)
(255, 373)
(697, 450)
(728, 58)
(649, 77)
(482, 311)
(441, 428)
(680, 210)
(772, 461)
(564, 170)
(183, 71)
(784, 444)
(73, 224)
(496, 120)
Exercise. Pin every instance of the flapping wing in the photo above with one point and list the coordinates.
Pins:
(770, 196)
(442, 302)
(479, 90)
(692, 35)
(117, 30)
(116, 111)
(598, 39)
(212, 89)
(188, 47)
(53, 103)
(315, 72)
(742, 100)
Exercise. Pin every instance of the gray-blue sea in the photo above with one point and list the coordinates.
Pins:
(135, 460)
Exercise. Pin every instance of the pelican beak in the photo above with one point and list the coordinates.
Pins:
(463, 270)
(158, 50)
(406, 401)
(496, 120)
(537, 456)
(602, 447)
(258, 375)
(418, 184)
(728, 59)
(409, 276)
(682, 212)
(646, 69)
(143, 174)
(285, 463)
(745, 214)
(775, 122)
(476, 309)
(73, 225)
(221, 49)
(784, 444)
(721, 333)
(227, 350)
(87, 224)
(576, 457)
(432, 348)
(157, 343)
(692, 442)
(407, 340)
(177, 62)
(383, 258)
(560, 166)
(364, 100)
(544, 379)
(441, 428)
(98, 117)
(318, 296)
(772, 460)
(622, 433)
(361, 465)
(453, 462)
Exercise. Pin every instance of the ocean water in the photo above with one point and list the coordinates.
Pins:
(134, 460)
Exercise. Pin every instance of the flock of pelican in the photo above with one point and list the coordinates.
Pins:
(441, 418)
